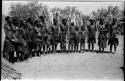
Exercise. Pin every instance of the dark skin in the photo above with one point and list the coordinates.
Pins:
(92, 41)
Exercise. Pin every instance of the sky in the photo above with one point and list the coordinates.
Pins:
(84, 7)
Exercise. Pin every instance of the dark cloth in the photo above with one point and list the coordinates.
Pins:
(63, 38)
(77, 28)
(113, 41)
(55, 34)
(91, 33)
(8, 46)
(64, 21)
(32, 38)
(82, 28)
(47, 39)
(77, 37)
(63, 31)
(82, 36)
(102, 40)
(55, 21)
(91, 37)
(71, 36)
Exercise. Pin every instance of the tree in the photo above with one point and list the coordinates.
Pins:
(24, 11)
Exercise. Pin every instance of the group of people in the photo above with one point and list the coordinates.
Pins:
(27, 38)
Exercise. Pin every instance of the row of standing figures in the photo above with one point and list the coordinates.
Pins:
(32, 42)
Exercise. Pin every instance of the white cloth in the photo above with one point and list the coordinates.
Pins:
(73, 21)
(51, 17)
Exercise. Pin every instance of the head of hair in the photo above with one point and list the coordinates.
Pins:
(72, 24)
(101, 21)
(8, 19)
(64, 20)
(29, 20)
(42, 18)
(55, 21)
(91, 21)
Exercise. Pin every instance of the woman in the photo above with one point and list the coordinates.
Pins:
(102, 38)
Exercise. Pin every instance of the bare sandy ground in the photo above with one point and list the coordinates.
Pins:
(75, 66)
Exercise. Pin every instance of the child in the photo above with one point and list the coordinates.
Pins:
(113, 41)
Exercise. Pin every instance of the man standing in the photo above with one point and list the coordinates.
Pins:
(91, 35)
(113, 40)
(63, 32)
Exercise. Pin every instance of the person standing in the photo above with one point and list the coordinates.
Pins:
(91, 35)
(102, 38)
(113, 39)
